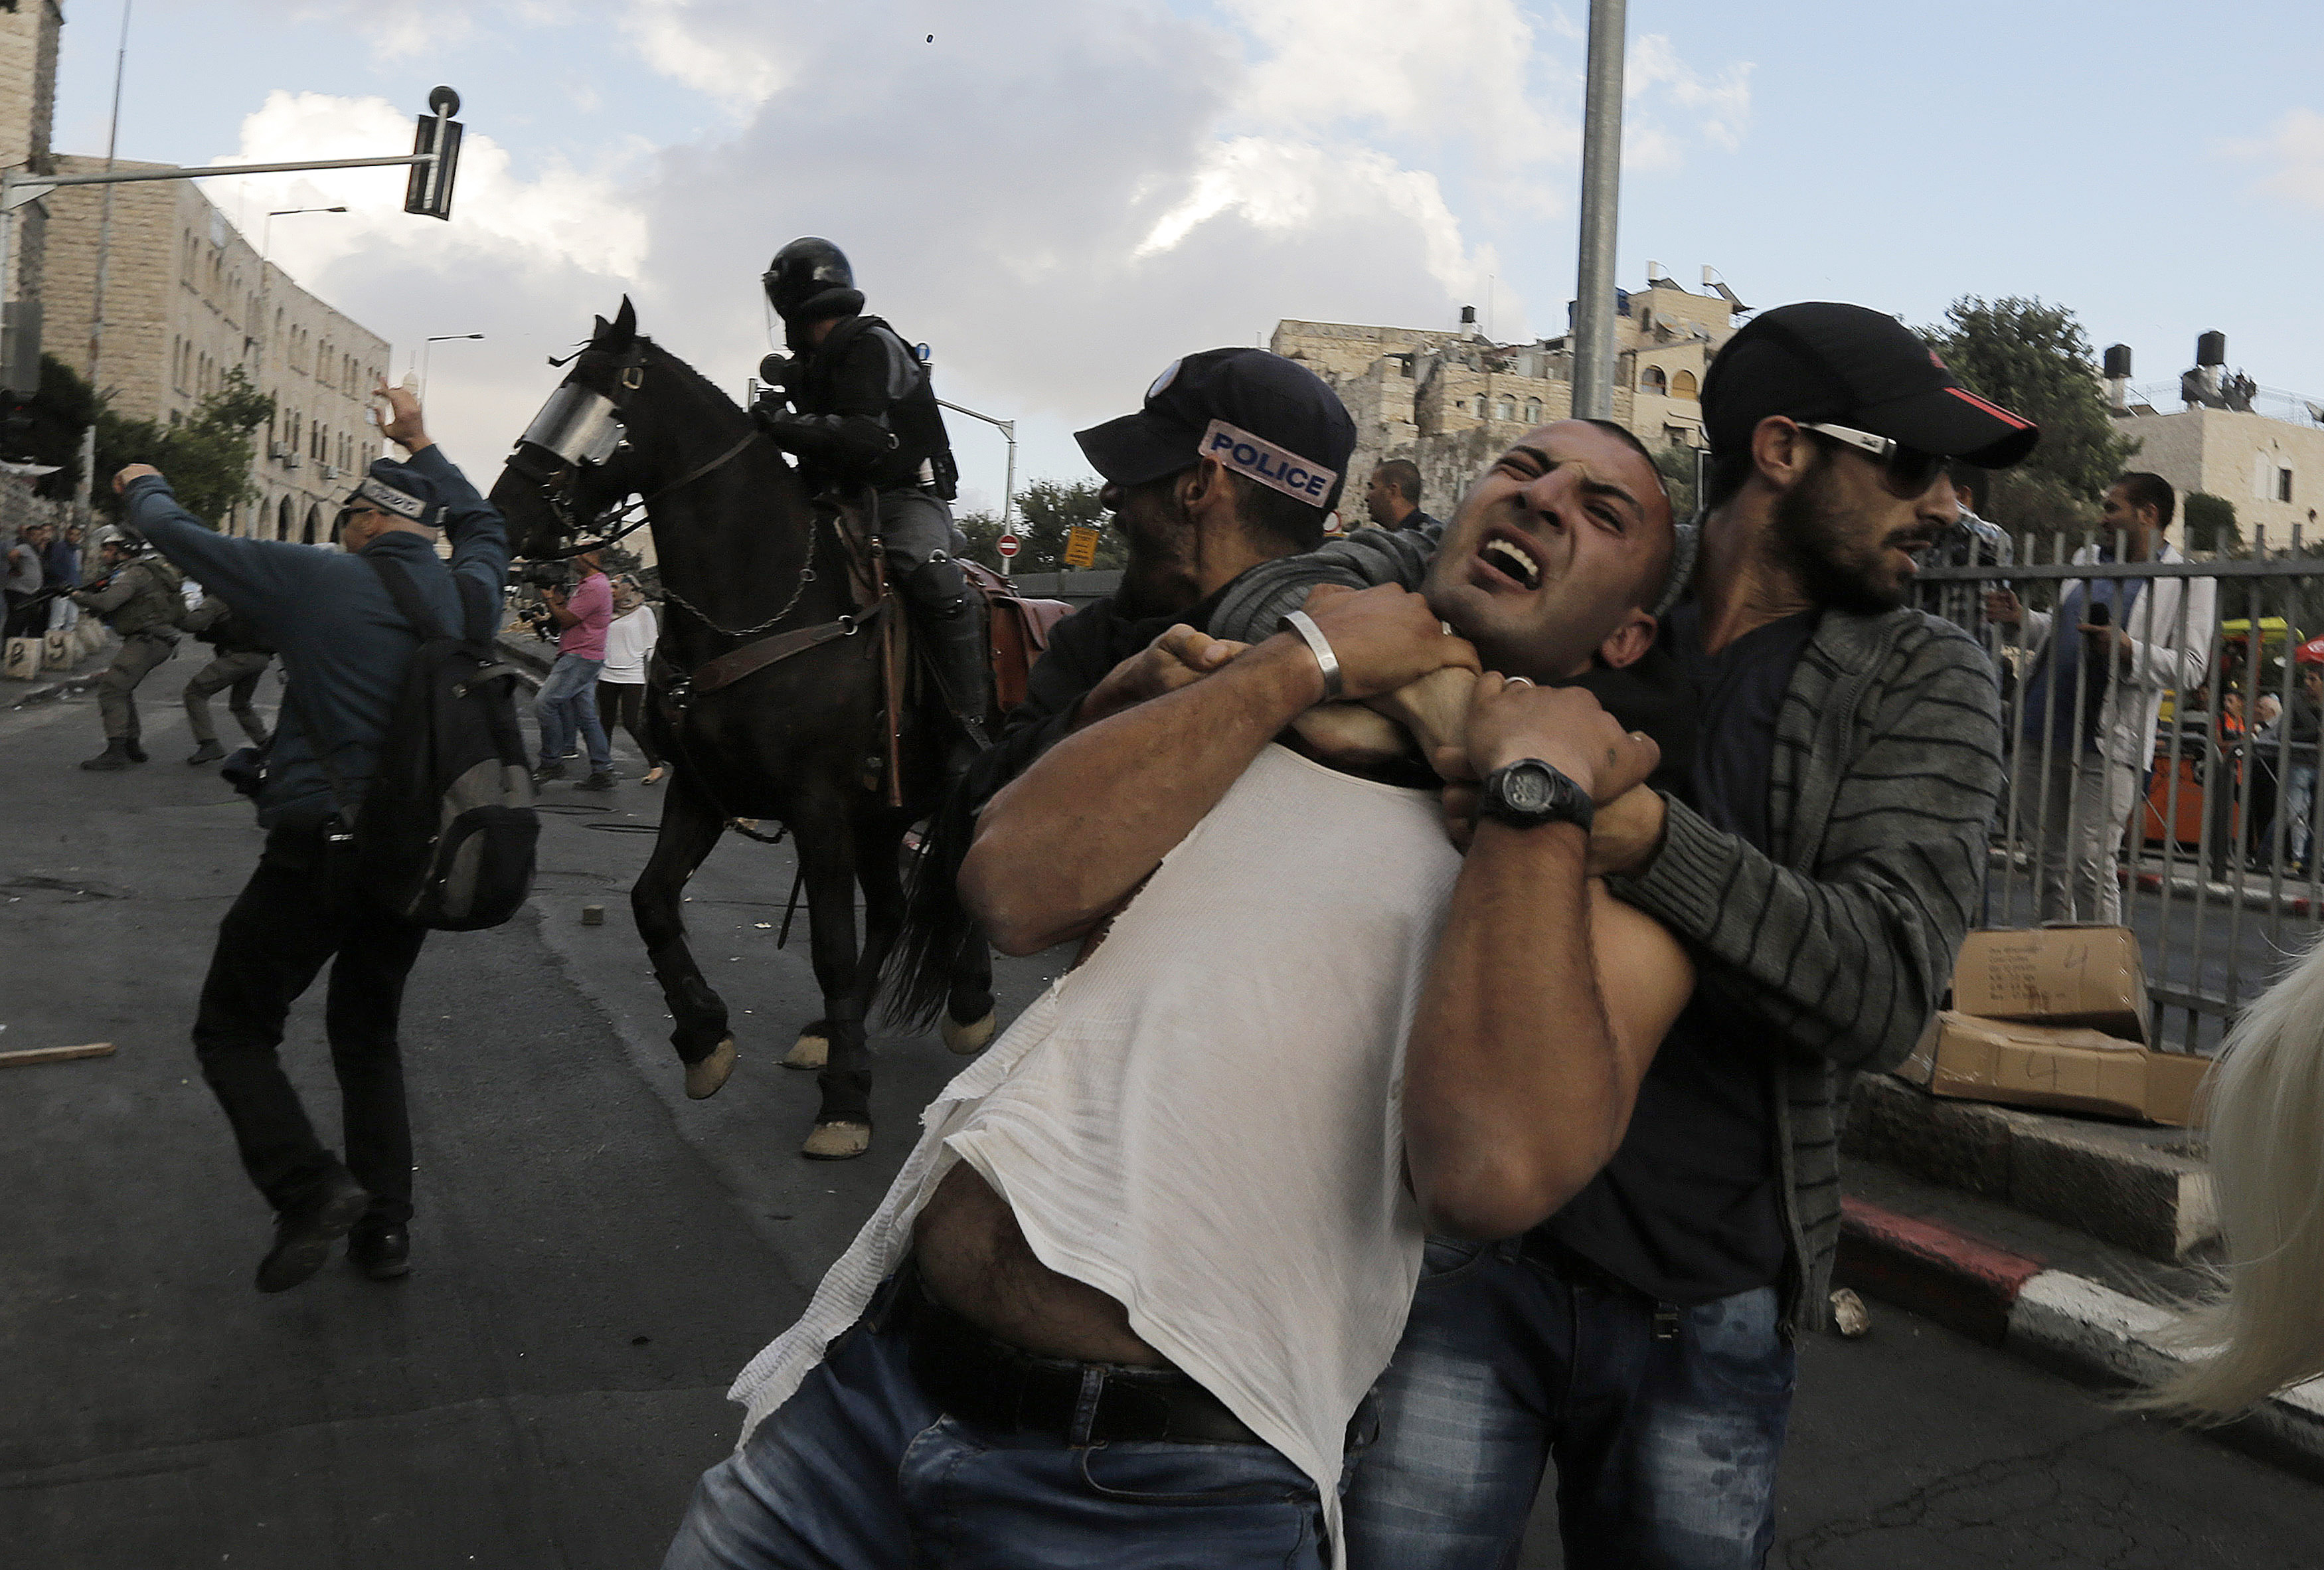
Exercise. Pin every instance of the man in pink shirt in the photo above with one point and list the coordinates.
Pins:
(568, 699)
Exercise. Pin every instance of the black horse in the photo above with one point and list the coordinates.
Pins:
(768, 693)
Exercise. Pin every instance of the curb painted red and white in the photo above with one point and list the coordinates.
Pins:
(2067, 1322)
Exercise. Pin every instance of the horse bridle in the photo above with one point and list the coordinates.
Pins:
(581, 428)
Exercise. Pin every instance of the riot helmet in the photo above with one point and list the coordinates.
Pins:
(809, 279)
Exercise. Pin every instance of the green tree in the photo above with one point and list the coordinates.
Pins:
(2035, 359)
(1676, 465)
(1046, 511)
(60, 411)
(2210, 523)
(206, 457)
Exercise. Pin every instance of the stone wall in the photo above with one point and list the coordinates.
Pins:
(2237, 457)
(28, 89)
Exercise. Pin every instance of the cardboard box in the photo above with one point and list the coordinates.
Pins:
(2092, 977)
(2069, 1067)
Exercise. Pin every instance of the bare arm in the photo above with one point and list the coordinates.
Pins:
(1066, 842)
(1546, 999)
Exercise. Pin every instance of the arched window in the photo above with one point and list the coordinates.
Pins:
(1533, 411)
(313, 532)
(285, 520)
(1651, 380)
(1683, 385)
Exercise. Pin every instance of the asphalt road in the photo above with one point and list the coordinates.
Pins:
(596, 1256)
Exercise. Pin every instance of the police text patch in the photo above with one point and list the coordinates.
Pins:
(1269, 463)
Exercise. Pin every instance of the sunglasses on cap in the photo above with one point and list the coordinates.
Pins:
(1907, 471)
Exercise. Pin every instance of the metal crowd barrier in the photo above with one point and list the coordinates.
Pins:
(2220, 866)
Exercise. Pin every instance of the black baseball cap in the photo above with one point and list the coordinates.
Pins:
(1843, 364)
(1258, 413)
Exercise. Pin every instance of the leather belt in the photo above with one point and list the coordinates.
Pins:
(980, 1378)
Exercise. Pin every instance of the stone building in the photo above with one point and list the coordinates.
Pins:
(28, 90)
(187, 299)
(1449, 401)
(2271, 468)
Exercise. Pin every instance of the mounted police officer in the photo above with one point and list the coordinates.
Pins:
(138, 597)
(857, 408)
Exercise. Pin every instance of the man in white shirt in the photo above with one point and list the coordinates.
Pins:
(1158, 1240)
(2093, 692)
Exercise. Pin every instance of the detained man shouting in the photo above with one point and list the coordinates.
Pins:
(1124, 1301)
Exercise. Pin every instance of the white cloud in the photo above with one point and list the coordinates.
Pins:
(2295, 148)
(1060, 195)
(1428, 71)
(397, 29)
(706, 47)
(1720, 108)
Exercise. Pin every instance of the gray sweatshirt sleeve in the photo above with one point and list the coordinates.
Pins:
(1260, 598)
(1848, 958)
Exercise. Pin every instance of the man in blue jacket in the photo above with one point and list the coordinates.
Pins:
(345, 651)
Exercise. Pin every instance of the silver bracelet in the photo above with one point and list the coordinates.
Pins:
(1302, 623)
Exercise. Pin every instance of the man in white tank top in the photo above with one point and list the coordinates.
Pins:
(1123, 1302)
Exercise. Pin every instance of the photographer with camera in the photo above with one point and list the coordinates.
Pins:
(347, 649)
(567, 700)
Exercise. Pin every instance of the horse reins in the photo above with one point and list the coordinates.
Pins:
(645, 503)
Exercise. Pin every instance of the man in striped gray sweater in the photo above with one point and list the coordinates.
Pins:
(1821, 868)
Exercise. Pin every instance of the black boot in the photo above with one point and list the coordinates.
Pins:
(137, 753)
(115, 756)
(953, 637)
(208, 753)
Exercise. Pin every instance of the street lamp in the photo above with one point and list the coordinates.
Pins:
(266, 232)
(427, 346)
(1008, 428)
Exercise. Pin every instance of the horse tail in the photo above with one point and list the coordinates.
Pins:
(937, 928)
(2264, 1109)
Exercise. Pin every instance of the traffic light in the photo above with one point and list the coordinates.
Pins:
(429, 192)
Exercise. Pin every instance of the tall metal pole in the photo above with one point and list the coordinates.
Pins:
(81, 508)
(1602, 179)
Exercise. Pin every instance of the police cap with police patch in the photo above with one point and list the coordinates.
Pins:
(399, 490)
(1257, 413)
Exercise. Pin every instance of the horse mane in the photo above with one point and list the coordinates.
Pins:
(669, 358)
(2263, 1113)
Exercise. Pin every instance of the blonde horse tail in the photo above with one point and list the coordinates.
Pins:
(2264, 1117)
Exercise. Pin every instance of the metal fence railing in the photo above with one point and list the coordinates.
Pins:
(2155, 791)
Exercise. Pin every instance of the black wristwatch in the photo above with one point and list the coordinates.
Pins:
(1529, 792)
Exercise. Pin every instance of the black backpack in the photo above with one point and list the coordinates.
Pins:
(447, 833)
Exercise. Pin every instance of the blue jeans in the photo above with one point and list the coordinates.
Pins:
(1665, 1446)
(859, 1471)
(567, 699)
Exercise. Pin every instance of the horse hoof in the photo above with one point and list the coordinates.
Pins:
(836, 1142)
(704, 1078)
(809, 1051)
(970, 1039)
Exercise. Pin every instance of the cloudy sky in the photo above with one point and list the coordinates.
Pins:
(1063, 194)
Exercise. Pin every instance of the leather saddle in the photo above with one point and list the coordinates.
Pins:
(1017, 631)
